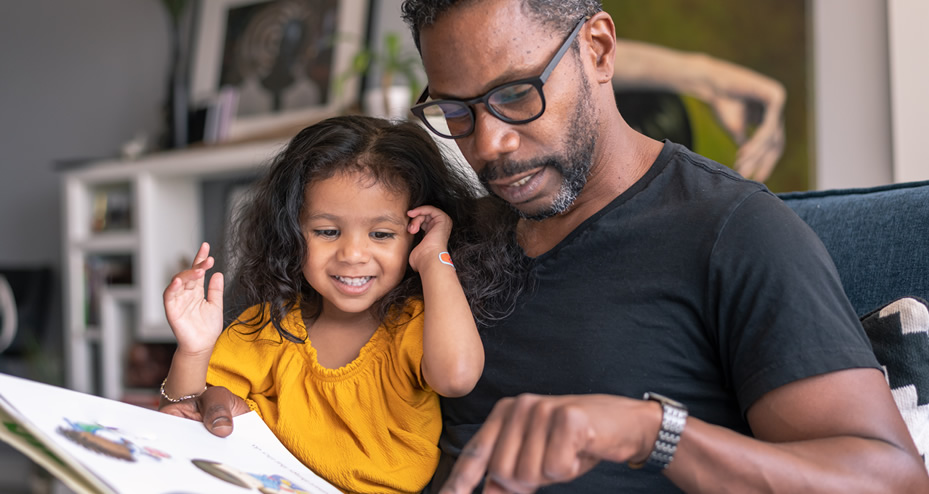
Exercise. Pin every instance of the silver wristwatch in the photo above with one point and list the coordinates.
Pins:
(673, 420)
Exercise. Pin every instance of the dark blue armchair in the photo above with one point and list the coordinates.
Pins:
(878, 238)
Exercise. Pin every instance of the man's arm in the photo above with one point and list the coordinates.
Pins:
(838, 432)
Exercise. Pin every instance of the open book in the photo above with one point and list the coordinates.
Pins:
(95, 445)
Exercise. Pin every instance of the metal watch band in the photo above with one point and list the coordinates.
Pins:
(673, 420)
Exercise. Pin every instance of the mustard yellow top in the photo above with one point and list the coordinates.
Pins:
(370, 426)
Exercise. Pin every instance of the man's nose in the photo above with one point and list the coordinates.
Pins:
(492, 137)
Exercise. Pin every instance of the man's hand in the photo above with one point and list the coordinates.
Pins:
(215, 408)
(532, 441)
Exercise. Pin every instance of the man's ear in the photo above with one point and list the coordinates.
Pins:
(602, 41)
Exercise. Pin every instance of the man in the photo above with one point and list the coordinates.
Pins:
(653, 271)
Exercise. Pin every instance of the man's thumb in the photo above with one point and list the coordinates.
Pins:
(216, 410)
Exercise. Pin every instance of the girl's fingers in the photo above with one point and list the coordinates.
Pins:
(427, 218)
(172, 288)
(202, 254)
(415, 224)
(189, 279)
(204, 264)
(214, 293)
(190, 274)
(421, 210)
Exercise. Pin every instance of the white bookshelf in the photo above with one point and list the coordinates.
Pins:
(159, 232)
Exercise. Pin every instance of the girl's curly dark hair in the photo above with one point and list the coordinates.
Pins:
(401, 156)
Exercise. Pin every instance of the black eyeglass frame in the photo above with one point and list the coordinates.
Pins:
(537, 82)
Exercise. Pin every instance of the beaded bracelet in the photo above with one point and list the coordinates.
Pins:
(182, 398)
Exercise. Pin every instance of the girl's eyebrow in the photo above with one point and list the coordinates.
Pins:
(390, 218)
(385, 218)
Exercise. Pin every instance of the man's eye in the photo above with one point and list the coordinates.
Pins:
(454, 110)
(513, 95)
(383, 235)
(326, 233)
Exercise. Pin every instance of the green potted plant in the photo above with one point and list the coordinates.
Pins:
(399, 75)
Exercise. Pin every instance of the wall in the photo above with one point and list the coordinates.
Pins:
(909, 69)
(851, 96)
(78, 79)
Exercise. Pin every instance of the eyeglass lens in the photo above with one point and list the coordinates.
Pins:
(517, 102)
(511, 103)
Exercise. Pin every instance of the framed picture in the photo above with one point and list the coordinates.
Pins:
(739, 51)
(281, 59)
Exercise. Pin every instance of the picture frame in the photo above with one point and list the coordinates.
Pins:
(767, 38)
(283, 57)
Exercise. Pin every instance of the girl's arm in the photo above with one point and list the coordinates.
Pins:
(453, 355)
(196, 321)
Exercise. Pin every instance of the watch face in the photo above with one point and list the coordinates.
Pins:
(664, 400)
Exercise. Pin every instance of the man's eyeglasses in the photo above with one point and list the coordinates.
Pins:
(515, 102)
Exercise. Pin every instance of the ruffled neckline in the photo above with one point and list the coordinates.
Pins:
(372, 347)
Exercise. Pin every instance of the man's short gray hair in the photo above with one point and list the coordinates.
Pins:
(561, 15)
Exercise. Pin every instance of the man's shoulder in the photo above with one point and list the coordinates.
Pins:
(695, 177)
(685, 191)
(699, 167)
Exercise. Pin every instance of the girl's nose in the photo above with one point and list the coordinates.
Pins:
(354, 249)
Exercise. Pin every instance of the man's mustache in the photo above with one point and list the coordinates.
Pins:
(507, 168)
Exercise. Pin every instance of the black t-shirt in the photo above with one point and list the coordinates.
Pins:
(695, 283)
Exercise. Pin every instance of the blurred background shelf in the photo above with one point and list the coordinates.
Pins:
(129, 226)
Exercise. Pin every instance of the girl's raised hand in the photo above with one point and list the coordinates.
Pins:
(437, 225)
(195, 318)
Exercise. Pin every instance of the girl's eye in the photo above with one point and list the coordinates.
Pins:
(383, 235)
(326, 233)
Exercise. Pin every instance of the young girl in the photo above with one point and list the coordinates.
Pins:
(357, 315)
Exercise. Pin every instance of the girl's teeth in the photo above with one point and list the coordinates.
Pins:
(353, 281)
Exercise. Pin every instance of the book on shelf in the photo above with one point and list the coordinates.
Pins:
(112, 208)
(100, 446)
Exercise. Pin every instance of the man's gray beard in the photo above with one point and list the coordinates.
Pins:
(574, 166)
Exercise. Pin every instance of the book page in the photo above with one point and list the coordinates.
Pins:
(16, 435)
(121, 448)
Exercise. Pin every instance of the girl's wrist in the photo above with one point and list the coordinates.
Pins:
(193, 355)
(180, 398)
(439, 262)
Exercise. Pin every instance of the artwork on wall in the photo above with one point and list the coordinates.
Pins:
(274, 62)
(729, 80)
